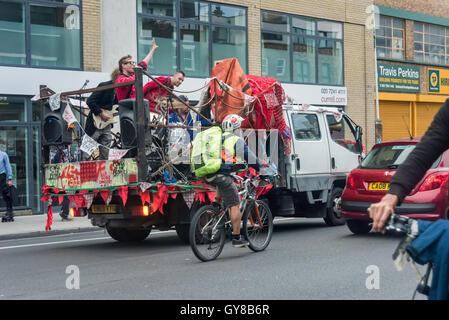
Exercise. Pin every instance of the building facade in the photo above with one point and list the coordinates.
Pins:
(412, 49)
(322, 53)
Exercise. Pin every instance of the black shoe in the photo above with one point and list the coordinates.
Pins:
(65, 217)
(239, 242)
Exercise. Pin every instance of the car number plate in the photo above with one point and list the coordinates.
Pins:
(98, 208)
(378, 186)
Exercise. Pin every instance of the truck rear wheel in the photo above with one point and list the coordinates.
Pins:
(333, 216)
(128, 235)
(182, 230)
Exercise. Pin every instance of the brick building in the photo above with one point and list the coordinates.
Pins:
(322, 52)
(412, 45)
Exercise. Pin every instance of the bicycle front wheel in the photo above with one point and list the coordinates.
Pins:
(258, 225)
(206, 237)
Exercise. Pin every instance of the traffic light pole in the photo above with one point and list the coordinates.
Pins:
(142, 164)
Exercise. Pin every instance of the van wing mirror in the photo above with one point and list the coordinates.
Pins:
(358, 138)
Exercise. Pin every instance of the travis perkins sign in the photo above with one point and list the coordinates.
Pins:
(398, 78)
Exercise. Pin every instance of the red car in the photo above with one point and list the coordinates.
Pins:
(369, 182)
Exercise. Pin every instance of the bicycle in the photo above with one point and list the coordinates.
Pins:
(211, 226)
(402, 225)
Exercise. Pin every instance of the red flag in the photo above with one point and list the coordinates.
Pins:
(105, 194)
(49, 218)
(211, 196)
(200, 196)
(261, 191)
(145, 196)
(123, 193)
(172, 188)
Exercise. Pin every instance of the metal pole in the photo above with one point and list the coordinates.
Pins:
(140, 121)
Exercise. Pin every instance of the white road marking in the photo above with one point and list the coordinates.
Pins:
(92, 239)
(67, 241)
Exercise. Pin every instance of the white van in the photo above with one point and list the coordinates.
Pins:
(326, 146)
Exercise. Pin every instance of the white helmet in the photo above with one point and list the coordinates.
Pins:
(231, 122)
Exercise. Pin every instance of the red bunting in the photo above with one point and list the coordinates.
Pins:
(252, 171)
(145, 196)
(60, 199)
(172, 188)
(105, 194)
(155, 204)
(49, 218)
(163, 196)
(264, 190)
(211, 196)
(80, 202)
(123, 193)
(200, 197)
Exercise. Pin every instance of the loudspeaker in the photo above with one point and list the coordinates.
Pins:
(55, 129)
(128, 124)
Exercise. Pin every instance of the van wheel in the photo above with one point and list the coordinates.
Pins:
(128, 235)
(359, 226)
(182, 231)
(333, 216)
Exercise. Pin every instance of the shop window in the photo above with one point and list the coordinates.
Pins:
(305, 44)
(53, 39)
(276, 48)
(191, 35)
(431, 43)
(165, 33)
(12, 32)
(20, 139)
(227, 43)
(390, 38)
(195, 49)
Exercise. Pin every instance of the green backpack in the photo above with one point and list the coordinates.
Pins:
(205, 157)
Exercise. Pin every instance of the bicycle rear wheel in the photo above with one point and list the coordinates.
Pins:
(258, 225)
(206, 238)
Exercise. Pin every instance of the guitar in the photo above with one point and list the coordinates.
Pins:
(100, 124)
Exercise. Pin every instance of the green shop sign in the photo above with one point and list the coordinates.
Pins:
(398, 78)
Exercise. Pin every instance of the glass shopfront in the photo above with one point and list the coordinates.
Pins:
(20, 139)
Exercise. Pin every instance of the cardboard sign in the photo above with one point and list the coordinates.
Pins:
(68, 115)
(88, 145)
(116, 154)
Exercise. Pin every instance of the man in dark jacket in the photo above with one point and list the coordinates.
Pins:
(434, 142)
(98, 102)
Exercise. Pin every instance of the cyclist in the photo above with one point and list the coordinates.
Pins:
(233, 146)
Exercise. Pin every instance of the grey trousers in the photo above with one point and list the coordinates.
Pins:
(103, 137)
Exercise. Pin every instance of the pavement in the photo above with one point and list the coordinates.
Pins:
(34, 226)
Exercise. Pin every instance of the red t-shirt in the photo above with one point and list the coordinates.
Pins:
(122, 92)
(152, 90)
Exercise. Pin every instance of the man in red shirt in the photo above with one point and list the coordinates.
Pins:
(152, 91)
(126, 69)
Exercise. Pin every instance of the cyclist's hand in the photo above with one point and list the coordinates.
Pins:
(264, 164)
(381, 211)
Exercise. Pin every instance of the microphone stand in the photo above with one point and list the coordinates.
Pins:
(81, 117)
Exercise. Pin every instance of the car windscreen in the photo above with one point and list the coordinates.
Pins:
(389, 157)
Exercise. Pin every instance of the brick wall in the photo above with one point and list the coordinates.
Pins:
(439, 8)
(92, 35)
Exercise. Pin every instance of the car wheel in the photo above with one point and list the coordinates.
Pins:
(359, 226)
(333, 216)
